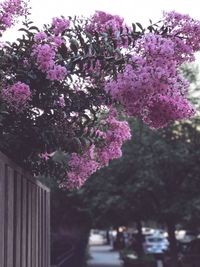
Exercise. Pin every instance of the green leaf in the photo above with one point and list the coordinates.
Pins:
(60, 157)
(134, 27)
(74, 45)
(34, 28)
(140, 26)
(25, 30)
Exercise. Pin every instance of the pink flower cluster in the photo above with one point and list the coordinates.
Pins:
(57, 73)
(151, 84)
(9, 10)
(16, 96)
(40, 36)
(45, 156)
(113, 137)
(60, 25)
(165, 109)
(113, 134)
(185, 33)
(102, 22)
(45, 56)
(45, 53)
(81, 167)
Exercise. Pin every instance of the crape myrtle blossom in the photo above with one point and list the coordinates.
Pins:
(16, 96)
(184, 32)
(58, 73)
(115, 134)
(45, 156)
(9, 11)
(102, 22)
(164, 109)
(40, 36)
(112, 136)
(113, 25)
(45, 55)
(46, 48)
(81, 167)
(150, 84)
(56, 41)
(59, 25)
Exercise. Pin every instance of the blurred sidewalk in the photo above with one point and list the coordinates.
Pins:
(103, 256)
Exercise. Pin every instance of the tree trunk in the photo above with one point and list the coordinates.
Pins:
(140, 240)
(172, 245)
(108, 236)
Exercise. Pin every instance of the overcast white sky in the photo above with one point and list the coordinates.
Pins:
(131, 10)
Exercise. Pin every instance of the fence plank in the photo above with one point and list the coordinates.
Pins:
(29, 256)
(2, 211)
(40, 228)
(43, 229)
(48, 227)
(18, 220)
(33, 227)
(24, 222)
(10, 219)
(37, 228)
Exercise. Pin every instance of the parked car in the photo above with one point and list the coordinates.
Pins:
(147, 231)
(155, 244)
(185, 235)
(97, 237)
(154, 231)
(160, 232)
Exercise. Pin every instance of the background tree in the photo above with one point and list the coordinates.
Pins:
(156, 179)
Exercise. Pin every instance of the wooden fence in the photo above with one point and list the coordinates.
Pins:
(24, 218)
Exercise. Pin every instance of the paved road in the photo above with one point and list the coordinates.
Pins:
(103, 256)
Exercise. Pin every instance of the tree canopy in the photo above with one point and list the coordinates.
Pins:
(64, 86)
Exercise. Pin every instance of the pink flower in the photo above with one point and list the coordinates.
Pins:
(185, 33)
(151, 75)
(58, 73)
(44, 54)
(81, 167)
(102, 22)
(60, 25)
(112, 140)
(40, 36)
(166, 109)
(57, 41)
(9, 10)
(17, 96)
(45, 156)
